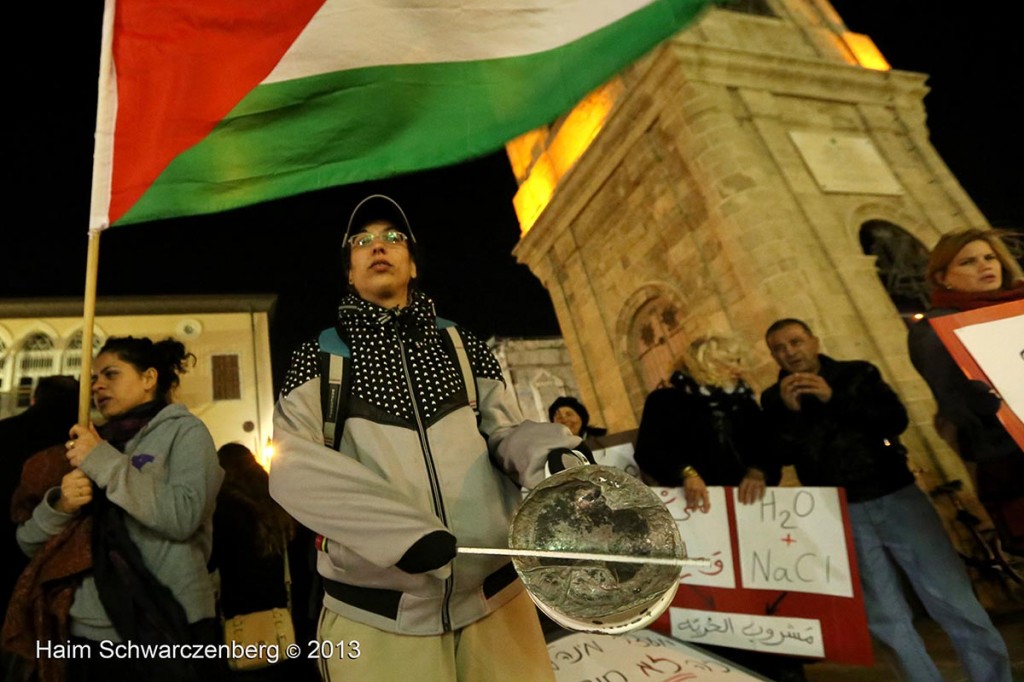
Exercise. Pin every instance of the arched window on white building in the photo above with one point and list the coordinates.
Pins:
(71, 358)
(36, 358)
(6, 371)
(6, 365)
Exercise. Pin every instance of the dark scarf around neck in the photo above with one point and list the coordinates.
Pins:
(122, 428)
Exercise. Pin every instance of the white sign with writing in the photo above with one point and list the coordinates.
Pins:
(706, 536)
(642, 655)
(998, 348)
(781, 635)
(794, 540)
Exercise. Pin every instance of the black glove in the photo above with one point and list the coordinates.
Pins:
(430, 552)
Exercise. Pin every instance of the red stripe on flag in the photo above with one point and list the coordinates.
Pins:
(181, 67)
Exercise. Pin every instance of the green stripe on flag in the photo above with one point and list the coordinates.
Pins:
(345, 127)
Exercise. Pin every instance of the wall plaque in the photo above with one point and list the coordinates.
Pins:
(848, 164)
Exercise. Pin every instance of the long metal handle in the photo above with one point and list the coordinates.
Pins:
(586, 556)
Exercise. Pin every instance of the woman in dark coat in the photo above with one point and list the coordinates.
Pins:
(707, 428)
(973, 269)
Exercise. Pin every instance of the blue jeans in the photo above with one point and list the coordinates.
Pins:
(903, 527)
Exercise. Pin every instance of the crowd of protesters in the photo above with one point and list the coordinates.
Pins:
(398, 440)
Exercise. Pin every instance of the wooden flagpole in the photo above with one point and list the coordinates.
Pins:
(88, 317)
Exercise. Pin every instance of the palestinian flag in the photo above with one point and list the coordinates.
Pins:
(214, 104)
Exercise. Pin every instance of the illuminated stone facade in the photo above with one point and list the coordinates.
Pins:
(731, 185)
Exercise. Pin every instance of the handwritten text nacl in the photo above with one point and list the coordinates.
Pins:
(807, 568)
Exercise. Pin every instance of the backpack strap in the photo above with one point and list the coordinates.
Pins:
(468, 378)
(336, 380)
(334, 392)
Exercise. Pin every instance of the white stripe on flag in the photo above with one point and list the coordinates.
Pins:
(106, 117)
(345, 34)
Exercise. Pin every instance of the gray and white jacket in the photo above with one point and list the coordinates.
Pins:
(167, 481)
(412, 460)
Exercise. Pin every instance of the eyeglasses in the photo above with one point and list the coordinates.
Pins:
(388, 237)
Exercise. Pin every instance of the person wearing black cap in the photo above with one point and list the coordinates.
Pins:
(575, 416)
(381, 452)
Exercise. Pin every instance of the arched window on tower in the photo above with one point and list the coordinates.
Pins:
(657, 341)
(1015, 243)
(902, 262)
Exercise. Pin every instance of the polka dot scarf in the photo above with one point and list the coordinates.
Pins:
(376, 337)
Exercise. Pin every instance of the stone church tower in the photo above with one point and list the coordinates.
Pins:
(765, 163)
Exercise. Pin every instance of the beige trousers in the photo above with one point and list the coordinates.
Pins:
(506, 646)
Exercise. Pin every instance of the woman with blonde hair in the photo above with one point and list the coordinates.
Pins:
(707, 429)
(971, 269)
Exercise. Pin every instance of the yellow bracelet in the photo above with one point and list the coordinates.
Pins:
(690, 472)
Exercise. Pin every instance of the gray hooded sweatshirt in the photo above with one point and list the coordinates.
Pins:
(167, 481)
(412, 461)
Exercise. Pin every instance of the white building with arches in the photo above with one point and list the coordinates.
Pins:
(229, 388)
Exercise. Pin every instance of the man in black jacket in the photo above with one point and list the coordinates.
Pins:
(839, 424)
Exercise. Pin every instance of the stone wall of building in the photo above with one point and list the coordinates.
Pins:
(538, 370)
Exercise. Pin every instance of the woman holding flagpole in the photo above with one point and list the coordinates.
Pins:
(128, 529)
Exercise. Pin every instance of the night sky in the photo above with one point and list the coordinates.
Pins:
(462, 215)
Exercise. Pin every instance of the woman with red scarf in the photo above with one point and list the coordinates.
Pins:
(972, 269)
